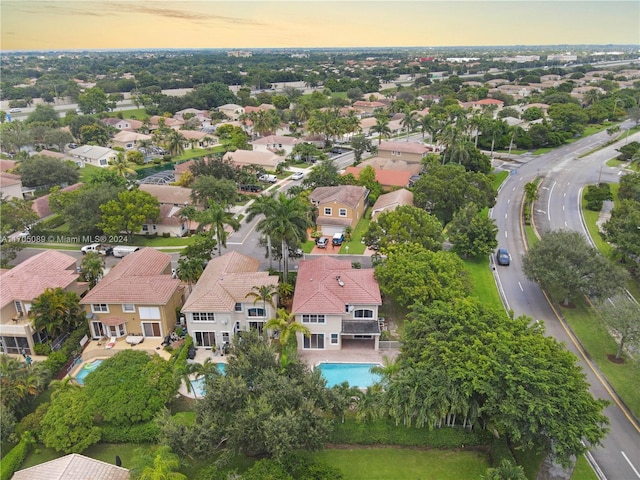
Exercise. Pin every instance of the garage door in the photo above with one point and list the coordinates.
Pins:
(329, 230)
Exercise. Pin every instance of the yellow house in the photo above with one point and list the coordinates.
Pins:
(138, 297)
(339, 207)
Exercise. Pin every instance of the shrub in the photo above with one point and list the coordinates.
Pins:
(146, 432)
(14, 458)
(56, 361)
(166, 234)
(499, 451)
(596, 195)
(31, 423)
(42, 349)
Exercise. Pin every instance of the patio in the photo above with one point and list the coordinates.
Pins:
(96, 348)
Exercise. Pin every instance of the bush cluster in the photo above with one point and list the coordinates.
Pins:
(14, 457)
(70, 348)
(146, 432)
(596, 195)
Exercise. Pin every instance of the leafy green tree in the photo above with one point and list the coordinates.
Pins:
(216, 217)
(206, 189)
(445, 189)
(324, 174)
(40, 171)
(190, 269)
(359, 144)
(92, 268)
(129, 212)
(405, 224)
(630, 187)
(622, 231)
(174, 143)
(130, 387)
(94, 100)
(412, 274)
(468, 363)
(505, 471)
(472, 233)
(628, 151)
(56, 311)
(564, 264)
(17, 216)
(45, 114)
(135, 156)
(285, 329)
(94, 134)
(367, 178)
(264, 294)
(568, 117)
(307, 152)
(621, 315)
(122, 165)
(68, 424)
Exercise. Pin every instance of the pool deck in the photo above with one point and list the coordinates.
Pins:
(346, 355)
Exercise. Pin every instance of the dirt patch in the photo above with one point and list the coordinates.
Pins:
(612, 358)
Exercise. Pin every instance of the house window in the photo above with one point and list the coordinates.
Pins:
(256, 312)
(334, 339)
(99, 308)
(128, 307)
(149, 313)
(18, 306)
(313, 318)
(314, 341)
(145, 228)
(205, 339)
(327, 211)
(363, 313)
(238, 307)
(117, 330)
(151, 329)
(204, 317)
(342, 212)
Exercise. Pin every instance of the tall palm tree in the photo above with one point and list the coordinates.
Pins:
(174, 143)
(121, 165)
(408, 122)
(217, 217)
(55, 311)
(165, 464)
(381, 127)
(286, 327)
(285, 218)
(92, 268)
(264, 293)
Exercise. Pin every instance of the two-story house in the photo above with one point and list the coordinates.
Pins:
(218, 307)
(275, 144)
(410, 152)
(139, 296)
(339, 207)
(21, 285)
(338, 303)
(231, 110)
(172, 199)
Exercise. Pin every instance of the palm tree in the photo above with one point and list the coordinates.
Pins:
(92, 268)
(264, 293)
(285, 218)
(55, 311)
(381, 127)
(408, 122)
(174, 143)
(165, 464)
(285, 290)
(217, 216)
(285, 326)
(121, 165)
(505, 471)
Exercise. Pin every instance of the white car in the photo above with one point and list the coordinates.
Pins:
(15, 110)
(297, 176)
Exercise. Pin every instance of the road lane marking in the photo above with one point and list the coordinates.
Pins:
(565, 194)
(505, 216)
(508, 201)
(565, 223)
(563, 208)
(520, 285)
(630, 464)
(549, 201)
(505, 234)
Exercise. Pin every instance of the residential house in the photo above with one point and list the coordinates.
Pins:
(266, 160)
(10, 185)
(138, 296)
(367, 107)
(410, 152)
(92, 155)
(231, 110)
(389, 179)
(21, 285)
(73, 467)
(388, 202)
(275, 143)
(339, 207)
(392, 164)
(172, 200)
(120, 123)
(218, 307)
(338, 303)
(180, 169)
(41, 205)
(197, 139)
(129, 140)
(51, 154)
(157, 121)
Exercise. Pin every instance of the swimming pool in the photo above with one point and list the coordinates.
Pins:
(86, 370)
(357, 374)
(197, 385)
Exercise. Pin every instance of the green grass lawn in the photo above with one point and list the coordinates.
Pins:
(614, 162)
(135, 113)
(484, 286)
(583, 470)
(499, 178)
(410, 464)
(530, 233)
(355, 245)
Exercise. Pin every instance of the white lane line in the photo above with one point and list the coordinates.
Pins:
(505, 234)
(508, 201)
(565, 223)
(505, 216)
(630, 464)
(514, 189)
(549, 201)
(565, 194)
(520, 285)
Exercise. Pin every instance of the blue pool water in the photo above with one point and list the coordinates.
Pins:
(357, 374)
(86, 370)
(198, 386)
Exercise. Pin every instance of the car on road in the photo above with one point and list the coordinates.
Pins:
(268, 178)
(15, 110)
(322, 242)
(98, 248)
(297, 176)
(502, 257)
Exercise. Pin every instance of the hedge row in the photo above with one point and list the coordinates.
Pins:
(138, 433)
(14, 458)
(387, 433)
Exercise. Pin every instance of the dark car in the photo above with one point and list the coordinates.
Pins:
(503, 257)
(322, 242)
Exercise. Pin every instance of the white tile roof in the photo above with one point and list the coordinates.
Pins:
(73, 467)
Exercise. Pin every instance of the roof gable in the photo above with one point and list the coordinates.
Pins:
(349, 195)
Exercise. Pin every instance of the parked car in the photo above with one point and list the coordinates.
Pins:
(15, 110)
(268, 178)
(250, 188)
(124, 250)
(297, 176)
(295, 252)
(502, 257)
(337, 239)
(322, 242)
(99, 248)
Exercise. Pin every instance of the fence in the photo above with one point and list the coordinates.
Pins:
(389, 345)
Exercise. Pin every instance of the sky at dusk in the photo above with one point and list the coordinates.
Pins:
(118, 24)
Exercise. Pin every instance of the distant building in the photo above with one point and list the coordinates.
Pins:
(239, 53)
(562, 57)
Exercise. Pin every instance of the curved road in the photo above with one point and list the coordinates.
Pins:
(564, 175)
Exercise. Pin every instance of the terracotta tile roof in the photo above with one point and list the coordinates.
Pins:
(349, 195)
(318, 290)
(41, 204)
(27, 280)
(184, 166)
(404, 147)
(124, 136)
(270, 139)
(169, 194)
(489, 101)
(8, 179)
(390, 164)
(226, 281)
(388, 178)
(139, 278)
(194, 134)
(49, 153)
(392, 200)
(250, 157)
(73, 467)
(7, 164)
(169, 215)
(364, 104)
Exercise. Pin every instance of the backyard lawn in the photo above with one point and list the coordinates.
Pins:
(395, 463)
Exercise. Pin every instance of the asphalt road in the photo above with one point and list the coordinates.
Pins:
(564, 175)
